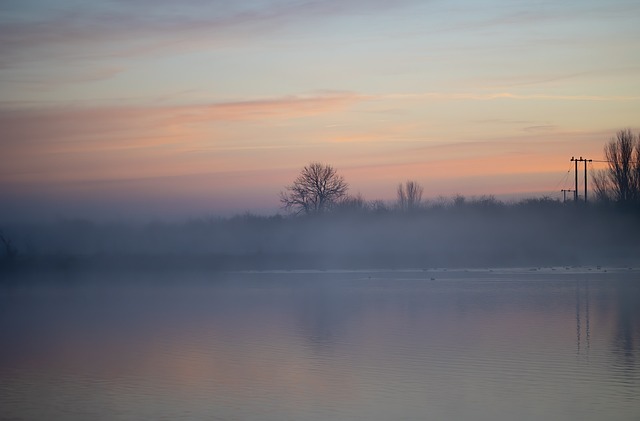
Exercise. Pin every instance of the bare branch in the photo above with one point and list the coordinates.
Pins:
(10, 251)
(409, 195)
(623, 174)
(601, 186)
(317, 188)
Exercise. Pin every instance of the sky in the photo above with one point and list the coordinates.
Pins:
(165, 108)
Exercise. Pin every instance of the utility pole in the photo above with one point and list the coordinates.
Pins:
(564, 194)
(585, 177)
(575, 191)
(576, 160)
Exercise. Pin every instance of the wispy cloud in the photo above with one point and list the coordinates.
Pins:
(540, 128)
(44, 78)
(452, 96)
(123, 29)
(524, 80)
(31, 134)
(496, 15)
(285, 107)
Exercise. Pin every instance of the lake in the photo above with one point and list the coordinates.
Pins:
(437, 344)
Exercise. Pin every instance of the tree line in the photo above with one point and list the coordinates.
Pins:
(408, 231)
(319, 188)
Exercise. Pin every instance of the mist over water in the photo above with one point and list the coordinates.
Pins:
(483, 311)
(553, 344)
(484, 233)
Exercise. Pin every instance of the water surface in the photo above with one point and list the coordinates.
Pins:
(551, 344)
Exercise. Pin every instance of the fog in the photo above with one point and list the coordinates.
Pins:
(481, 233)
(225, 317)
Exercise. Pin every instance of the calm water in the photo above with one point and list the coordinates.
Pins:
(403, 345)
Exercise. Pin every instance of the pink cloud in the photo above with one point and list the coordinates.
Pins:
(70, 122)
(73, 142)
(286, 107)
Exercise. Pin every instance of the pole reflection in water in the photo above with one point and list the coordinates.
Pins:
(582, 290)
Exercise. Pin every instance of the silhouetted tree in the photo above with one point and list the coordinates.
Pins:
(409, 195)
(601, 186)
(10, 252)
(621, 180)
(459, 201)
(485, 202)
(350, 203)
(379, 207)
(318, 188)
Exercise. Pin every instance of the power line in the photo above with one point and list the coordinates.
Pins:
(606, 161)
(563, 180)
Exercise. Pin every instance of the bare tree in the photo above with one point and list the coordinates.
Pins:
(352, 204)
(601, 185)
(317, 188)
(622, 181)
(9, 249)
(409, 195)
(378, 206)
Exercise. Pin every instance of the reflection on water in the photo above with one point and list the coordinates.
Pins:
(582, 294)
(483, 345)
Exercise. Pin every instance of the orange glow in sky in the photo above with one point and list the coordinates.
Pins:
(215, 109)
